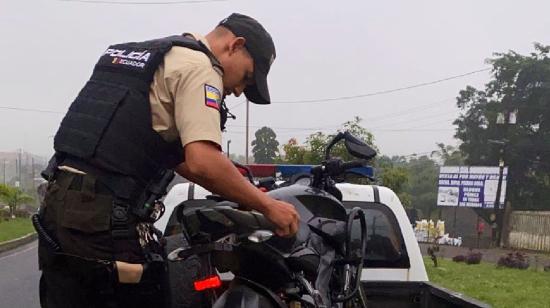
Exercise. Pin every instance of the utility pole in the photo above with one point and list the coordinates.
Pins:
(454, 220)
(19, 164)
(32, 172)
(4, 171)
(498, 211)
(507, 118)
(228, 142)
(247, 125)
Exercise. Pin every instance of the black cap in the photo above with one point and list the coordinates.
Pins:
(260, 46)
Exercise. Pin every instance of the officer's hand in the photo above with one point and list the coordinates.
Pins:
(284, 216)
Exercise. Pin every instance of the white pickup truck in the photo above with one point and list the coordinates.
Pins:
(393, 273)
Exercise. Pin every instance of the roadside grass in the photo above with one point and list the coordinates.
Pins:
(499, 287)
(15, 228)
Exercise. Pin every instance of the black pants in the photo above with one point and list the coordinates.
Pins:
(77, 215)
(59, 289)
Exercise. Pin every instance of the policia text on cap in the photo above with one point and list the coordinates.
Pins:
(149, 107)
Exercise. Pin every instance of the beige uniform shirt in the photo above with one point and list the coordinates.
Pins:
(184, 95)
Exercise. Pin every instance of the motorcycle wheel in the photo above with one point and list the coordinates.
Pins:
(359, 301)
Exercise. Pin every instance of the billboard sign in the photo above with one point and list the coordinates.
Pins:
(470, 186)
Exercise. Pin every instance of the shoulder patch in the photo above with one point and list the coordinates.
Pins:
(212, 97)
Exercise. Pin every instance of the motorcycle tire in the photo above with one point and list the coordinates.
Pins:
(242, 296)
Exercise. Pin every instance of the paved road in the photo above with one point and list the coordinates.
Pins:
(19, 277)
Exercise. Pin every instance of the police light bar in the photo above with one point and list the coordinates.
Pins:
(265, 170)
(212, 282)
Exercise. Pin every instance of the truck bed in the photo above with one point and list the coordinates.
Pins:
(402, 294)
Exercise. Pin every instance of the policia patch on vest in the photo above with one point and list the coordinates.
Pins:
(212, 97)
(129, 58)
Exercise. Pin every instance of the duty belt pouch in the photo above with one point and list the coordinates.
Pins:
(120, 219)
(85, 220)
(49, 217)
(123, 232)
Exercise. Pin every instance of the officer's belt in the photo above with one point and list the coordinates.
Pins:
(119, 185)
(78, 183)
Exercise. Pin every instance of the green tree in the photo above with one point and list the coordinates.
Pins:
(265, 146)
(519, 91)
(422, 185)
(355, 128)
(384, 161)
(413, 180)
(313, 151)
(13, 197)
(316, 144)
(449, 155)
(396, 178)
(294, 153)
(392, 173)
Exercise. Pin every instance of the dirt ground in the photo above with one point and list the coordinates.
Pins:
(536, 259)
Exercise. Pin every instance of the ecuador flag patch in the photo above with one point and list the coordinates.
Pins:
(212, 97)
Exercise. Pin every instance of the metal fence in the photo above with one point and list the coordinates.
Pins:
(529, 230)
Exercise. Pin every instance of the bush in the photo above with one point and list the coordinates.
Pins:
(22, 214)
(516, 259)
(474, 257)
(459, 258)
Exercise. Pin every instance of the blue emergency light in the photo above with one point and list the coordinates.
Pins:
(286, 171)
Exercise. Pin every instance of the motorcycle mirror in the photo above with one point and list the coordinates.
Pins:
(357, 147)
(334, 140)
(260, 236)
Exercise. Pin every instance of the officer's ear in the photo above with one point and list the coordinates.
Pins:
(236, 44)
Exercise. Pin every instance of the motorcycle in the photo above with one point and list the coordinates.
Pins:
(319, 267)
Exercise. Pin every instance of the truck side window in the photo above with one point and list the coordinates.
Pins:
(385, 244)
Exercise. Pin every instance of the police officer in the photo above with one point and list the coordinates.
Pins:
(148, 107)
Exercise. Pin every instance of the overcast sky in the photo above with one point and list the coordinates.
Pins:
(325, 49)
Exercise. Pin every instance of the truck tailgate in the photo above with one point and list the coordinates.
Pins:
(402, 294)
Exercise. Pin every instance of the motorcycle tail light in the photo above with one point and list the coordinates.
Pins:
(212, 282)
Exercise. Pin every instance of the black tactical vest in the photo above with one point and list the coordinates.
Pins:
(109, 124)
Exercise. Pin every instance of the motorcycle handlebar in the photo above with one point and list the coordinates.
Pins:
(336, 167)
(352, 164)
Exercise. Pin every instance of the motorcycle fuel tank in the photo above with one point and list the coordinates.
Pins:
(310, 202)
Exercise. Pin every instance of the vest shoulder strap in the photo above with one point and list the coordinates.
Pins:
(191, 43)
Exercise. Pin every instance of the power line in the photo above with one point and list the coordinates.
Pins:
(139, 2)
(415, 130)
(309, 131)
(238, 105)
(416, 154)
(427, 124)
(30, 109)
(421, 125)
(342, 98)
(290, 128)
(307, 101)
(367, 120)
(404, 112)
(415, 120)
(377, 128)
